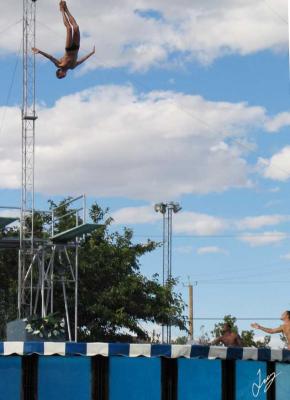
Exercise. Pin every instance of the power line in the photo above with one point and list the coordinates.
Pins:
(276, 13)
(246, 283)
(274, 265)
(211, 128)
(242, 280)
(43, 24)
(238, 319)
(229, 236)
(10, 90)
(237, 141)
(10, 26)
(245, 276)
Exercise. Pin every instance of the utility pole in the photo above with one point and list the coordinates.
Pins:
(190, 312)
(190, 309)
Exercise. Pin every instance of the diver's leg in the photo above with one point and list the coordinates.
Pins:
(74, 24)
(69, 36)
(76, 36)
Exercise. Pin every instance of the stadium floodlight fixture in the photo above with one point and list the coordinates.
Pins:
(176, 207)
(160, 207)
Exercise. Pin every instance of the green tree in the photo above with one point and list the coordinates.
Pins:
(180, 340)
(114, 295)
(8, 282)
(248, 339)
(115, 299)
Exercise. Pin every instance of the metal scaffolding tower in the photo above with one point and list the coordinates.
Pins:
(27, 250)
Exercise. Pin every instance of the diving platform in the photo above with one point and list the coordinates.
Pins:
(9, 243)
(73, 233)
(5, 221)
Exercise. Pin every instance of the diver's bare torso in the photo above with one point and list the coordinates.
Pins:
(69, 60)
(286, 332)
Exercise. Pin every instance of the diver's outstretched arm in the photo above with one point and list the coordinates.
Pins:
(83, 59)
(46, 55)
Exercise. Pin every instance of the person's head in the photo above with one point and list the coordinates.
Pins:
(226, 327)
(61, 73)
(285, 316)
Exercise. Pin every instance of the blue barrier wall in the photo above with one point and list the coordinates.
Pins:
(283, 381)
(199, 379)
(62, 378)
(10, 378)
(135, 378)
(102, 371)
(248, 373)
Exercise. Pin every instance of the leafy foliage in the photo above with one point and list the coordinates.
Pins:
(114, 297)
(113, 293)
(248, 339)
(181, 340)
(47, 328)
(8, 283)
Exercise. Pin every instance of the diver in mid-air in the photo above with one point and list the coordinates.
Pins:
(70, 59)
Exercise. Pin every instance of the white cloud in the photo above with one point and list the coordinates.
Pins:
(261, 221)
(198, 224)
(211, 250)
(109, 141)
(275, 190)
(275, 342)
(10, 148)
(8, 213)
(184, 222)
(263, 239)
(278, 122)
(135, 215)
(277, 167)
(184, 249)
(286, 257)
(202, 30)
(273, 203)
(191, 223)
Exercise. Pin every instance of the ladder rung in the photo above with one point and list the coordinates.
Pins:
(30, 118)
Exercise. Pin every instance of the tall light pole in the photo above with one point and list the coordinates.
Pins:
(167, 210)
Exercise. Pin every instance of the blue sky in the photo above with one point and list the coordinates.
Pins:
(188, 104)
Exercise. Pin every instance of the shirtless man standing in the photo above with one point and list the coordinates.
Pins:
(284, 328)
(228, 338)
(72, 46)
